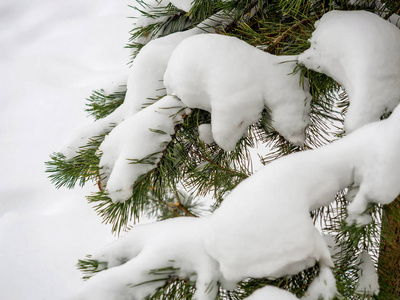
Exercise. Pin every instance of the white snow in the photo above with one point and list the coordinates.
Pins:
(174, 243)
(235, 81)
(360, 50)
(283, 193)
(271, 293)
(52, 55)
(368, 282)
(324, 286)
(144, 133)
(205, 133)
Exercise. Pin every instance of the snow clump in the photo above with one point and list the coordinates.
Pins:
(170, 244)
(235, 82)
(135, 146)
(360, 50)
(368, 282)
(205, 133)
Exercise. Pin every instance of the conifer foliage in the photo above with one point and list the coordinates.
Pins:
(209, 83)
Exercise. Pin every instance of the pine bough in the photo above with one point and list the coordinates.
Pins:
(263, 228)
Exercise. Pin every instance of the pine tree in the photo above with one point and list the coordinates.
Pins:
(172, 178)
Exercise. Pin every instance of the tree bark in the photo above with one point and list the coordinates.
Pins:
(389, 252)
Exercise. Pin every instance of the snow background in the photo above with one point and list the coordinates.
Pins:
(52, 55)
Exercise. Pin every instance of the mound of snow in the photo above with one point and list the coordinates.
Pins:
(360, 50)
(235, 82)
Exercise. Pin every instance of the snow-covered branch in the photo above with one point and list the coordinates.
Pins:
(270, 233)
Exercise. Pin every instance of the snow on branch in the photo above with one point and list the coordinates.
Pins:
(223, 75)
(135, 146)
(368, 282)
(235, 82)
(360, 50)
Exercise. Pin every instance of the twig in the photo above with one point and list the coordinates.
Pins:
(181, 207)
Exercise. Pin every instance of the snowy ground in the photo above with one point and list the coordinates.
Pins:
(52, 55)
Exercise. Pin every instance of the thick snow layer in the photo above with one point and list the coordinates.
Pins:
(143, 86)
(263, 228)
(143, 136)
(294, 185)
(359, 50)
(368, 282)
(235, 82)
(116, 86)
(271, 293)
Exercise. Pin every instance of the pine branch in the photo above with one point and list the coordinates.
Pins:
(82, 167)
(100, 105)
(89, 267)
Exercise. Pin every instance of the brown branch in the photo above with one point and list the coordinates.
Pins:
(182, 208)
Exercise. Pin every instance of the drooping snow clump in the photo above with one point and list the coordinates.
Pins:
(368, 282)
(235, 82)
(135, 146)
(360, 50)
(205, 133)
